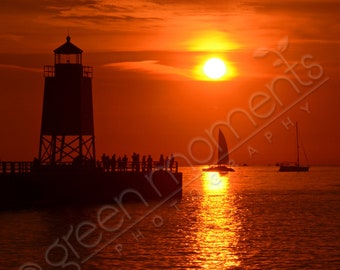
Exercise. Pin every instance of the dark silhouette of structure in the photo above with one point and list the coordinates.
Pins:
(67, 130)
(66, 171)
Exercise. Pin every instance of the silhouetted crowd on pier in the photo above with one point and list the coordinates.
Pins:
(144, 164)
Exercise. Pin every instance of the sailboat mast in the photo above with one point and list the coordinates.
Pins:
(223, 155)
(297, 145)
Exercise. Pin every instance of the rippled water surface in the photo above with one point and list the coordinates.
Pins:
(253, 218)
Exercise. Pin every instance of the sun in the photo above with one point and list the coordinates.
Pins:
(215, 68)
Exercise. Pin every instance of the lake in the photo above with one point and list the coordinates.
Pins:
(253, 218)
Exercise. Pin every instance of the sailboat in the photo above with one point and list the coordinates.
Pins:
(296, 166)
(223, 157)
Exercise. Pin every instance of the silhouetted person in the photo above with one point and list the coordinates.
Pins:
(167, 163)
(161, 162)
(103, 160)
(133, 163)
(172, 161)
(124, 163)
(149, 163)
(35, 164)
(137, 163)
(77, 161)
(99, 165)
(120, 164)
(113, 163)
(143, 163)
(106, 162)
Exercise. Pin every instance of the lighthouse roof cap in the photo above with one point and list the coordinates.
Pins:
(68, 48)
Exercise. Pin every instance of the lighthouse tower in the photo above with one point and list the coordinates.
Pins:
(67, 128)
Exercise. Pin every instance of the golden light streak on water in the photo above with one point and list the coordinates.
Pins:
(217, 236)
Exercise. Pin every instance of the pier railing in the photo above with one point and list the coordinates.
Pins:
(138, 167)
(15, 167)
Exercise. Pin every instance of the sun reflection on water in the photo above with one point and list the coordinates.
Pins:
(217, 236)
(214, 182)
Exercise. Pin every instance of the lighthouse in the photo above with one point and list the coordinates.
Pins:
(66, 171)
(67, 127)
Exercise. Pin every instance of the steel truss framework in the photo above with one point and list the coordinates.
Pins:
(59, 149)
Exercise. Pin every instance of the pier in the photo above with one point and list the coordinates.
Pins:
(15, 167)
(67, 170)
(27, 167)
(26, 185)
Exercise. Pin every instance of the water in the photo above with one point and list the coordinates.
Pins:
(254, 218)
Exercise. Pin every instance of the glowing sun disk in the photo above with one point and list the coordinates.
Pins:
(214, 68)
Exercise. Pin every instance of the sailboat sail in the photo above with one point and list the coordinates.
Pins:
(223, 156)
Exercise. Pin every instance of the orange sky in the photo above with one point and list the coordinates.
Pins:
(148, 97)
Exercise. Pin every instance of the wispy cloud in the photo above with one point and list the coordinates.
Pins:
(105, 13)
(12, 37)
(166, 24)
(152, 67)
(15, 67)
(301, 8)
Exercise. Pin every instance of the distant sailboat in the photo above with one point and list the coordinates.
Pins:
(295, 167)
(223, 157)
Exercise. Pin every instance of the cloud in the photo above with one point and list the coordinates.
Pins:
(18, 7)
(15, 67)
(164, 24)
(304, 20)
(301, 8)
(152, 67)
(12, 37)
(107, 15)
